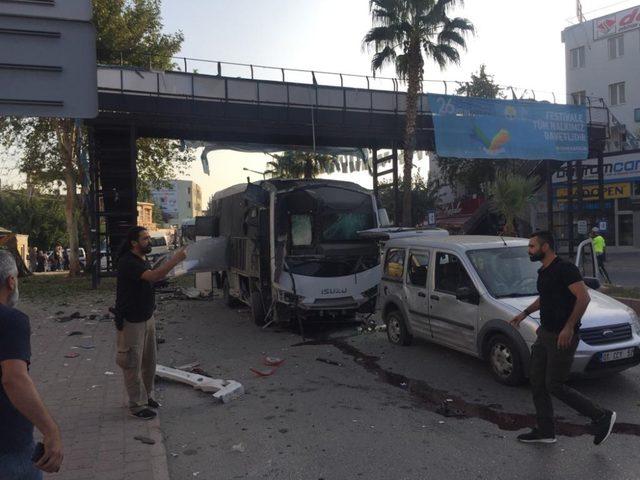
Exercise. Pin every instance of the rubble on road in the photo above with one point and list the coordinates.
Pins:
(225, 390)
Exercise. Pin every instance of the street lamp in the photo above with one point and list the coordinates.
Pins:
(255, 171)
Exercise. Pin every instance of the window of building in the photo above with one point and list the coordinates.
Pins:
(188, 204)
(394, 264)
(617, 93)
(616, 46)
(579, 98)
(189, 190)
(577, 57)
(636, 115)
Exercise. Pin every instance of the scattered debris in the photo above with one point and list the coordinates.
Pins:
(225, 390)
(187, 366)
(190, 451)
(329, 362)
(272, 361)
(59, 312)
(92, 317)
(263, 373)
(86, 347)
(448, 410)
(190, 292)
(75, 315)
(195, 474)
(238, 448)
(109, 373)
(145, 440)
(74, 333)
(71, 355)
(160, 340)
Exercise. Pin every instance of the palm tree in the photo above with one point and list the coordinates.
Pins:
(294, 164)
(511, 194)
(404, 33)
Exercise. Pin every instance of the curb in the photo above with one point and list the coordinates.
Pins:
(159, 465)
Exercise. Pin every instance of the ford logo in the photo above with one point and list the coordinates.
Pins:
(607, 333)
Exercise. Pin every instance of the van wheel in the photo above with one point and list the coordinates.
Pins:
(505, 361)
(228, 300)
(397, 332)
(257, 308)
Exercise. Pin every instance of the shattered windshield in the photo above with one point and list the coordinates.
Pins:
(343, 214)
(506, 272)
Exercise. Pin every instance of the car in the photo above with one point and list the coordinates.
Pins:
(461, 292)
(82, 256)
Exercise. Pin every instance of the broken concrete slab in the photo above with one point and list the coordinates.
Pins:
(225, 390)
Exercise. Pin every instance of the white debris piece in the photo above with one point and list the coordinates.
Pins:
(225, 390)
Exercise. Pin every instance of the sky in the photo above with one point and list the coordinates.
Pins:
(518, 40)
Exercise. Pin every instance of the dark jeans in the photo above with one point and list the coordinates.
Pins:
(550, 368)
(18, 465)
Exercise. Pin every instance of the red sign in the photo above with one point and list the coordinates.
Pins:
(616, 23)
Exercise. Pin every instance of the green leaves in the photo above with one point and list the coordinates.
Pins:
(510, 197)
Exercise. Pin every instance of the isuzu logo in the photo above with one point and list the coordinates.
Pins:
(333, 291)
(607, 333)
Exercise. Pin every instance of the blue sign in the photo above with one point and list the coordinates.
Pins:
(467, 127)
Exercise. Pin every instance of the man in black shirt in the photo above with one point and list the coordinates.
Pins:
(135, 303)
(562, 302)
(20, 404)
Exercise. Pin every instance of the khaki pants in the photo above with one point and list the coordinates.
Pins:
(136, 357)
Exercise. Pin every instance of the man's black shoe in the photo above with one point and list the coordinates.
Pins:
(145, 414)
(152, 403)
(602, 428)
(534, 436)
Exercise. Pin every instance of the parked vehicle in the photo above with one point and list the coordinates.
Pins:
(461, 292)
(82, 256)
(294, 247)
(159, 246)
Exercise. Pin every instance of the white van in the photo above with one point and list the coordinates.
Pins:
(461, 292)
(159, 246)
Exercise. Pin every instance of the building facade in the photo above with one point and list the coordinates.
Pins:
(181, 200)
(603, 62)
(145, 215)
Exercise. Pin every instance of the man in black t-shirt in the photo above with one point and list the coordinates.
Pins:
(20, 404)
(135, 303)
(562, 302)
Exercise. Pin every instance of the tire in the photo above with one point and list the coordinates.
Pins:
(505, 360)
(257, 308)
(227, 298)
(397, 332)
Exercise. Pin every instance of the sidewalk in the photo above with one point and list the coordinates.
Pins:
(86, 394)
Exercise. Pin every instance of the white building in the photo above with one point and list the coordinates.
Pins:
(603, 61)
(181, 200)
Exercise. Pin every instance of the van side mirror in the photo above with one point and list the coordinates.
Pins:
(592, 282)
(468, 294)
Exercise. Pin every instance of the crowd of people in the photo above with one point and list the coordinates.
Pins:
(52, 261)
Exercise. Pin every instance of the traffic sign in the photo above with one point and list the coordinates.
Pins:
(48, 59)
(582, 227)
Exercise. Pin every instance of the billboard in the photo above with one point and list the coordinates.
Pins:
(467, 127)
(615, 23)
(167, 200)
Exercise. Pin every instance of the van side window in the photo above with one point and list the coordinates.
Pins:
(450, 273)
(417, 269)
(394, 264)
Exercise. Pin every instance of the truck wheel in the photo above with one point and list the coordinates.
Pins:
(397, 332)
(228, 300)
(257, 308)
(505, 361)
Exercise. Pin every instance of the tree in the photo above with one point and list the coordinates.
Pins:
(510, 197)
(403, 31)
(293, 164)
(40, 216)
(127, 32)
(424, 196)
(481, 85)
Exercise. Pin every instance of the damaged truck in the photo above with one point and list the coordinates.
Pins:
(294, 249)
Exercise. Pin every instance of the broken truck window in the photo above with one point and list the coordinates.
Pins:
(301, 231)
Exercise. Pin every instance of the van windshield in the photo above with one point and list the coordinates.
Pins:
(506, 272)
(158, 241)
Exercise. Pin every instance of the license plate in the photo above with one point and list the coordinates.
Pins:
(616, 355)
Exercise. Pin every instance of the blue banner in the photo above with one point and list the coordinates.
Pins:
(467, 127)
